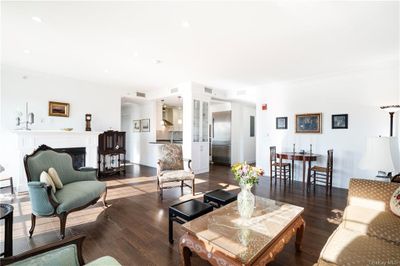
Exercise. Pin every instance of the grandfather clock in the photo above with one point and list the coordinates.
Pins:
(88, 118)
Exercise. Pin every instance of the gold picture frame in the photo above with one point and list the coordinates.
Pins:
(309, 123)
(59, 109)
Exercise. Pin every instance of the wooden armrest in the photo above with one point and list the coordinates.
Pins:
(77, 240)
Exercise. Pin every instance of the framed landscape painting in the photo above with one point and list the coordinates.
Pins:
(308, 123)
(281, 123)
(58, 109)
(340, 121)
(136, 125)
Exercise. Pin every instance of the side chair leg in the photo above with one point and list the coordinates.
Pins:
(33, 224)
(63, 222)
(193, 191)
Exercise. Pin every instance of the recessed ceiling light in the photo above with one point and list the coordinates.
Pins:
(135, 54)
(37, 19)
(106, 70)
(27, 51)
(185, 24)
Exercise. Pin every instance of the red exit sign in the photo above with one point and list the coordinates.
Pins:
(264, 107)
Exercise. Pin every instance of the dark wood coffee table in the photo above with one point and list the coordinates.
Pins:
(219, 197)
(185, 211)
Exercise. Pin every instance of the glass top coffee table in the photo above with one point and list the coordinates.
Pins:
(223, 238)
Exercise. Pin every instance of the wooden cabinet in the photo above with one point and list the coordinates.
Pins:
(112, 153)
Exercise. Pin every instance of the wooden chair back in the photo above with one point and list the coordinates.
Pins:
(272, 154)
(330, 161)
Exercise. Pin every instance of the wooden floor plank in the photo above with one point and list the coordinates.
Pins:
(134, 228)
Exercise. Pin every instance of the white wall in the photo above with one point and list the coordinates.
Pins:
(358, 93)
(139, 148)
(103, 102)
(243, 146)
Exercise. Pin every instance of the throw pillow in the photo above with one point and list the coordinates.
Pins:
(45, 178)
(56, 179)
(395, 202)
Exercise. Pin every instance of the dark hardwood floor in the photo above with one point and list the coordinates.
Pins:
(134, 228)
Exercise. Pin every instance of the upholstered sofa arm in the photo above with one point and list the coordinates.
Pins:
(87, 175)
(68, 251)
(42, 198)
(370, 193)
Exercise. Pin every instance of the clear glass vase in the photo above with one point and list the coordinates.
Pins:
(245, 201)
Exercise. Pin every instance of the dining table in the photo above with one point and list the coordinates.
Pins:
(305, 157)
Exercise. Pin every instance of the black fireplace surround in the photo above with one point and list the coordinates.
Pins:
(78, 155)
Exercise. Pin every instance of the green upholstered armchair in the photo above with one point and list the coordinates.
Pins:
(65, 252)
(80, 188)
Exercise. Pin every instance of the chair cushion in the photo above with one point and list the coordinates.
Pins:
(46, 178)
(63, 256)
(78, 194)
(381, 224)
(104, 261)
(176, 175)
(56, 179)
(318, 168)
(395, 202)
(171, 157)
(347, 247)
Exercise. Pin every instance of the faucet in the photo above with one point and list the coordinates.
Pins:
(172, 136)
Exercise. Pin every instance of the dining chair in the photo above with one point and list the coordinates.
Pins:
(278, 169)
(322, 174)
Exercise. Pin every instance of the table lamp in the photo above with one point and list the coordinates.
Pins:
(391, 109)
(378, 156)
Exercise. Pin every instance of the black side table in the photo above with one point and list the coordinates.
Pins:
(6, 213)
(219, 197)
(184, 212)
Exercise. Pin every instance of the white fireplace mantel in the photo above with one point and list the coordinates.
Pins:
(28, 141)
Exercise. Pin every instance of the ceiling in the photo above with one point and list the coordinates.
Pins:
(224, 45)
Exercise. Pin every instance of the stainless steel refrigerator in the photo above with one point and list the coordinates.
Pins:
(221, 138)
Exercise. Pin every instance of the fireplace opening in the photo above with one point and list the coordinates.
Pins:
(78, 155)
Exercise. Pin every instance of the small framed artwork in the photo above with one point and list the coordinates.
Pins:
(308, 123)
(340, 121)
(145, 125)
(136, 125)
(58, 109)
(281, 123)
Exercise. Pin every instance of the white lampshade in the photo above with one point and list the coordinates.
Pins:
(378, 155)
(391, 108)
(1, 168)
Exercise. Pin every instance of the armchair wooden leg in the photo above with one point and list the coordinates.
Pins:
(182, 187)
(12, 186)
(193, 192)
(104, 199)
(33, 224)
(63, 222)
